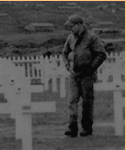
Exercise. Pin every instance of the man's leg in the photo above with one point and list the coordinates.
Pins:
(73, 107)
(87, 106)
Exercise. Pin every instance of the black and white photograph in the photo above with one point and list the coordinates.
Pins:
(62, 75)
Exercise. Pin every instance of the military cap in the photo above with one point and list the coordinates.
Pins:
(73, 19)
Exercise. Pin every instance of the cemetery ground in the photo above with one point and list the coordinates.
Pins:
(48, 128)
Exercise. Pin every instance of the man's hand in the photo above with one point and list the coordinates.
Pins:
(90, 71)
(71, 71)
(71, 68)
(71, 58)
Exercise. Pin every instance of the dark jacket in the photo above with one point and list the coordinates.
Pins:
(89, 53)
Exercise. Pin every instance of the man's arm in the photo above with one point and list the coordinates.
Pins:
(65, 53)
(98, 52)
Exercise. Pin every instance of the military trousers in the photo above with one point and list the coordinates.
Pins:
(81, 87)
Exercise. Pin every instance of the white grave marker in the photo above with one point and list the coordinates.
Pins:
(20, 106)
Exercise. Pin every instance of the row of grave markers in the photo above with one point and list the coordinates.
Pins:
(50, 68)
(17, 89)
(46, 71)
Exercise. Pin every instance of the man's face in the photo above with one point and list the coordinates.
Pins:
(75, 29)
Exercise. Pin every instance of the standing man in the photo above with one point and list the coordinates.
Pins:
(83, 53)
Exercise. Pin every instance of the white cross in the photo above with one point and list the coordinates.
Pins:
(21, 108)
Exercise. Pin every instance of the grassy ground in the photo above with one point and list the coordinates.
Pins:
(48, 128)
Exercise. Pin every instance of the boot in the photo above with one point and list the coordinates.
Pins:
(86, 132)
(72, 130)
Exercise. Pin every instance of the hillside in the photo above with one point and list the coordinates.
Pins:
(15, 15)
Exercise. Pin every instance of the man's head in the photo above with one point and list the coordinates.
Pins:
(74, 23)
